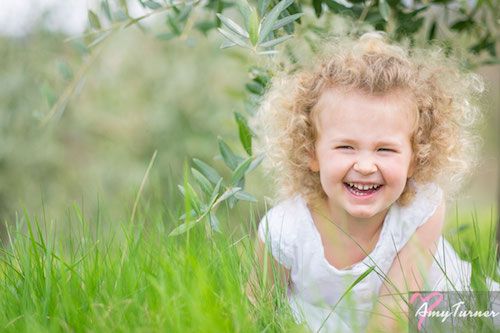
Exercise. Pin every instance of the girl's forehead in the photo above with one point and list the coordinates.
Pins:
(354, 105)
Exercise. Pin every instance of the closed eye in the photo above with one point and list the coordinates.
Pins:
(387, 149)
(344, 147)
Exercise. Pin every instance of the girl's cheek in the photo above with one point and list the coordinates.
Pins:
(392, 161)
(392, 170)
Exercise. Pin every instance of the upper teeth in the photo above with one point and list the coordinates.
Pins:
(363, 187)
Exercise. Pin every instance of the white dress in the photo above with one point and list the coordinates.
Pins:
(316, 286)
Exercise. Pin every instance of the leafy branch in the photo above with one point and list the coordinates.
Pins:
(120, 21)
(260, 30)
(267, 24)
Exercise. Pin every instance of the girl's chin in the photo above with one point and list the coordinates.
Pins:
(362, 214)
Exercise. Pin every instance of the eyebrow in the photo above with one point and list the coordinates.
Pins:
(378, 143)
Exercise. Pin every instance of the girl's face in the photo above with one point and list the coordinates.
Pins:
(363, 152)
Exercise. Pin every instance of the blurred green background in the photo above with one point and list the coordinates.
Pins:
(140, 95)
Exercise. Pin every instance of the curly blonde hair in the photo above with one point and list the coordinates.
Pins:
(443, 142)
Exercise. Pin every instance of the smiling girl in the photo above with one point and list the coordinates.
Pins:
(365, 147)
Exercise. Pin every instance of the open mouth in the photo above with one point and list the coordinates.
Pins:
(360, 190)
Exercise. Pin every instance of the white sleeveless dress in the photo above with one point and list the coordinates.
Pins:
(316, 286)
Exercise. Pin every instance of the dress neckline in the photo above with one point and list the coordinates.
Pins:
(359, 266)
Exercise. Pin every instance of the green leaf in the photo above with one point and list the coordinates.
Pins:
(184, 13)
(245, 11)
(256, 162)
(318, 7)
(214, 221)
(219, 5)
(418, 11)
(268, 52)
(174, 25)
(294, 8)
(151, 4)
(205, 26)
(336, 7)
(259, 75)
(276, 41)
(240, 171)
(432, 31)
(253, 27)
(462, 25)
(106, 10)
(49, 94)
(262, 6)
(286, 20)
(230, 158)
(409, 23)
(227, 194)
(65, 70)
(166, 36)
(121, 15)
(192, 214)
(227, 44)
(210, 173)
(384, 9)
(245, 196)
(100, 38)
(234, 38)
(182, 228)
(80, 47)
(255, 88)
(204, 183)
(190, 194)
(244, 132)
(359, 279)
(232, 26)
(492, 61)
(132, 21)
(487, 43)
(94, 20)
(195, 199)
(267, 23)
(232, 201)
(215, 193)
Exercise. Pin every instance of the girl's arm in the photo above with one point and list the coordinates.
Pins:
(275, 271)
(406, 275)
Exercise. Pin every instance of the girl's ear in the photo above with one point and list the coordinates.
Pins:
(412, 167)
(313, 162)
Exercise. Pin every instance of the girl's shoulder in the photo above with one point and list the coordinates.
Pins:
(281, 226)
(288, 207)
(285, 215)
(402, 221)
(428, 197)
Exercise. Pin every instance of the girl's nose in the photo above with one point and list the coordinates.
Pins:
(365, 167)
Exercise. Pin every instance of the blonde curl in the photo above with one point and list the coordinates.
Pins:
(444, 144)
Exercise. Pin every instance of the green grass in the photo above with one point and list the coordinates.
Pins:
(134, 278)
(473, 236)
(85, 274)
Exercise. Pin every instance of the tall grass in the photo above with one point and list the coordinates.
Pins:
(133, 278)
(85, 274)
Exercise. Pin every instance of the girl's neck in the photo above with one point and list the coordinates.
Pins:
(360, 229)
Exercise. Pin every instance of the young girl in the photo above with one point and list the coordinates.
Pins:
(365, 146)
